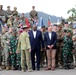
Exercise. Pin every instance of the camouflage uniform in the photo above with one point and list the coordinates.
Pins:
(8, 12)
(13, 48)
(33, 15)
(67, 52)
(74, 44)
(5, 40)
(43, 54)
(59, 48)
(15, 13)
(18, 60)
(0, 52)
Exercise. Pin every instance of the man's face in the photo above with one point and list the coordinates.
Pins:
(66, 25)
(8, 8)
(50, 28)
(59, 28)
(43, 29)
(55, 27)
(33, 7)
(34, 28)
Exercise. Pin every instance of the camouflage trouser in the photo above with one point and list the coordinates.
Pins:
(5, 55)
(67, 58)
(74, 57)
(0, 58)
(18, 59)
(59, 54)
(25, 58)
(13, 59)
(43, 57)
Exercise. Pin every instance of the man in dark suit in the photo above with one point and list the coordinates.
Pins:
(36, 41)
(50, 38)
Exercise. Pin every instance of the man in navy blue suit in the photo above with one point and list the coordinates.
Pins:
(50, 38)
(36, 41)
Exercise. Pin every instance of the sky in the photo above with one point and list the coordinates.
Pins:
(52, 7)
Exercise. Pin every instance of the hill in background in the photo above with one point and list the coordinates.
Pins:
(45, 16)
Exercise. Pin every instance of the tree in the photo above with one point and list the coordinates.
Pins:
(72, 11)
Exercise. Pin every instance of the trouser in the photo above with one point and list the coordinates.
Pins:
(0, 58)
(5, 56)
(43, 57)
(37, 52)
(51, 53)
(13, 60)
(25, 58)
(59, 55)
(67, 59)
(18, 59)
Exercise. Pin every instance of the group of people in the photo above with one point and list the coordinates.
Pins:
(28, 48)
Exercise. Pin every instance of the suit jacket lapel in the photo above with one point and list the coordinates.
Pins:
(32, 34)
(36, 34)
(51, 35)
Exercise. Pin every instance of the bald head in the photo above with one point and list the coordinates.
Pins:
(34, 27)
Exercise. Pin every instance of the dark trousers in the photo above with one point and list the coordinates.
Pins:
(37, 52)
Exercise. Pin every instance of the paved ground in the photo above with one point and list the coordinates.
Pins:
(41, 72)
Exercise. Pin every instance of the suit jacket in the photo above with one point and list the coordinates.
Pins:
(52, 41)
(36, 42)
(23, 42)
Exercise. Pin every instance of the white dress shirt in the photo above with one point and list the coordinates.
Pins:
(34, 33)
(50, 35)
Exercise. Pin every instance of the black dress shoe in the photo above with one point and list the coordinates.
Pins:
(33, 68)
(70, 67)
(66, 68)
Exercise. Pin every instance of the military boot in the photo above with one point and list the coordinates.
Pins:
(7, 68)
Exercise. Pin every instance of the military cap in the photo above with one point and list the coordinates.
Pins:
(55, 25)
(69, 31)
(43, 27)
(66, 22)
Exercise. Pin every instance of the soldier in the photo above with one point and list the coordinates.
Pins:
(10, 21)
(2, 13)
(13, 48)
(74, 51)
(8, 11)
(19, 54)
(24, 46)
(0, 53)
(67, 50)
(66, 26)
(22, 17)
(55, 28)
(15, 12)
(16, 22)
(33, 14)
(6, 39)
(43, 52)
(59, 46)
